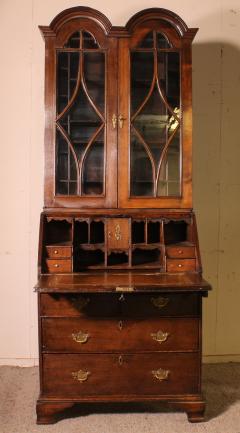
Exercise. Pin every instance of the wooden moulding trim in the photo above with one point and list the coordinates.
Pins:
(78, 12)
(161, 14)
(119, 31)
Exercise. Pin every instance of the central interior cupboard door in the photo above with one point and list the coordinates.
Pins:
(84, 155)
(154, 148)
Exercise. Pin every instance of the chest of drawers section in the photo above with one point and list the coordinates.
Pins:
(119, 347)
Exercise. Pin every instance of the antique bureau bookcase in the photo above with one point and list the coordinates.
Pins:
(120, 280)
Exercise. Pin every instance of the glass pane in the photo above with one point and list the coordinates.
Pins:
(73, 41)
(162, 41)
(169, 77)
(152, 123)
(147, 41)
(94, 74)
(141, 169)
(156, 122)
(66, 171)
(93, 168)
(169, 178)
(89, 41)
(141, 77)
(67, 72)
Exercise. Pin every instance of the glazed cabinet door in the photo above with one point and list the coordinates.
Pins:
(155, 117)
(80, 98)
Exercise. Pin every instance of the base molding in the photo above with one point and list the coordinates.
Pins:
(49, 411)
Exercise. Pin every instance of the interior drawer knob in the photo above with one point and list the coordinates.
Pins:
(160, 302)
(160, 336)
(80, 337)
(55, 251)
(80, 375)
(180, 251)
(56, 265)
(179, 265)
(160, 374)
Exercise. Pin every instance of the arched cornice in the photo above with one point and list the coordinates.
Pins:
(73, 13)
(164, 15)
(147, 14)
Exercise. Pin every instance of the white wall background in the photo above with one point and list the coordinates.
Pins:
(216, 92)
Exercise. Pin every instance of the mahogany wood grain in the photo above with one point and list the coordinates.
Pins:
(181, 252)
(119, 335)
(144, 281)
(119, 374)
(59, 265)
(126, 305)
(58, 252)
(120, 309)
(118, 233)
(181, 265)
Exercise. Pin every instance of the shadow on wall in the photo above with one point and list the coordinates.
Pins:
(216, 143)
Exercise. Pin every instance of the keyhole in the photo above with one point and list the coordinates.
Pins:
(121, 298)
(120, 325)
(120, 360)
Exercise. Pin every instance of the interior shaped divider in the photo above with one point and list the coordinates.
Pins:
(97, 232)
(83, 259)
(138, 231)
(153, 231)
(81, 232)
(176, 232)
(116, 258)
(57, 232)
(141, 256)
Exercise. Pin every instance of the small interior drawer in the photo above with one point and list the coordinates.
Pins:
(58, 266)
(181, 265)
(55, 252)
(181, 252)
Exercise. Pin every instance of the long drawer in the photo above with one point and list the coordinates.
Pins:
(126, 305)
(145, 374)
(113, 335)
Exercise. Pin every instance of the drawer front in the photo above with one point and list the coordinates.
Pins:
(85, 305)
(85, 335)
(181, 265)
(143, 374)
(180, 252)
(160, 305)
(55, 252)
(125, 305)
(58, 266)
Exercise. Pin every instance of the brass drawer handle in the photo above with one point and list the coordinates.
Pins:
(160, 302)
(160, 336)
(80, 375)
(160, 374)
(80, 337)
